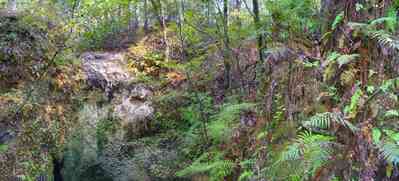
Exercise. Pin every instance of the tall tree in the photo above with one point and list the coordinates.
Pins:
(226, 43)
(159, 10)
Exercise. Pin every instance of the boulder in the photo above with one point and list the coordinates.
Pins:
(134, 109)
(106, 71)
(132, 104)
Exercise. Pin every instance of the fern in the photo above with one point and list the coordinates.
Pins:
(381, 36)
(246, 175)
(338, 20)
(346, 59)
(220, 126)
(217, 167)
(391, 113)
(304, 155)
(390, 85)
(3, 148)
(388, 146)
(247, 166)
(333, 56)
(384, 39)
(389, 21)
(351, 109)
(325, 120)
(390, 152)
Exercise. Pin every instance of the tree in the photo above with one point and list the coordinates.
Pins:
(145, 26)
(260, 38)
(159, 9)
(12, 5)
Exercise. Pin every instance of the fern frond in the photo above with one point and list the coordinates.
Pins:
(383, 20)
(246, 175)
(386, 40)
(220, 126)
(346, 59)
(388, 146)
(338, 20)
(390, 152)
(325, 120)
(217, 167)
(390, 21)
(305, 154)
(305, 143)
(358, 26)
(391, 113)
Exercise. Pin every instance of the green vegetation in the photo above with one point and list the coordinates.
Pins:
(199, 90)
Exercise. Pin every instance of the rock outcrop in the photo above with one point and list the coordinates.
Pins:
(111, 138)
(106, 71)
(131, 102)
(134, 108)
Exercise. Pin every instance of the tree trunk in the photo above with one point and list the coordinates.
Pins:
(180, 16)
(145, 26)
(12, 5)
(160, 12)
(226, 40)
(260, 38)
(57, 169)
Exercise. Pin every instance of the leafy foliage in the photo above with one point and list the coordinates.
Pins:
(304, 156)
(388, 146)
(326, 121)
(217, 167)
(221, 124)
(338, 20)
(287, 66)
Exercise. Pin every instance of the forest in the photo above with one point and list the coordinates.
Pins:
(199, 90)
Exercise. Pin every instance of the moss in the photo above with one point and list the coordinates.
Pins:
(95, 173)
(103, 130)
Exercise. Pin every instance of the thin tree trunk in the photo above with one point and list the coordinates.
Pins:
(180, 16)
(208, 12)
(12, 5)
(145, 26)
(226, 40)
(260, 38)
(160, 11)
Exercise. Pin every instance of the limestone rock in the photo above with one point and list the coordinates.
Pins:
(134, 109)
(105, 70)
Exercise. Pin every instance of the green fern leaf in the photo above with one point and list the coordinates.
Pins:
(338, 20)
(391, 113)
(304, 155)
(346, 59)
(220, 126)
(390, 152)
(325, 120)
(386, 40)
